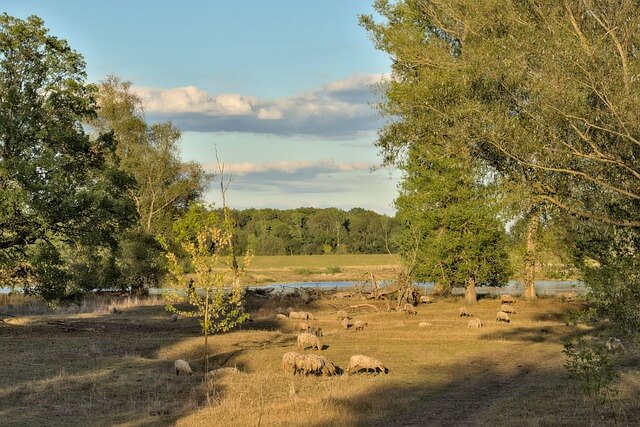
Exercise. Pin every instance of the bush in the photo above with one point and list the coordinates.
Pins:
(592, 367)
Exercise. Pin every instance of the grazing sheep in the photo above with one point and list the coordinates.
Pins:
(504, 298)
(424, 299)
(173, 317)
(342, 314)
(424, 324)
(280, 310)
(507, 308)
(289, 362)
(359, 325)
(501, 316)
(306, 339)
(329, 368)
(566, 296)
(464, 312)
(303, 327)
(182, 367)
(302, 315)
(614, 344)
(347, 323)
(280, 316)
(289, 310)
(408, 309)
(359, 362)
(475, 323)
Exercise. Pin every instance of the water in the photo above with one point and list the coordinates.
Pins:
(513, 287)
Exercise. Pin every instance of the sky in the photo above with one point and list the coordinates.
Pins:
(282, 89)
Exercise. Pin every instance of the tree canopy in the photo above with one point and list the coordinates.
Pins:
(59, 187)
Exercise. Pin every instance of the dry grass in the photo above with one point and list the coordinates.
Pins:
(108, 369)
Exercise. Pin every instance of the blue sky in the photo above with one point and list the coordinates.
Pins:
(282, 88)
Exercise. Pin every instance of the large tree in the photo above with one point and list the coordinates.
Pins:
(546, 92)
(59, 188)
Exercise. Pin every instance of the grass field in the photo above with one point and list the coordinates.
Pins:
(296, 268)
(116, 369)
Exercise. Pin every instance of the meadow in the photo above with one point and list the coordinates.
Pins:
(333, 267)
(89, 366)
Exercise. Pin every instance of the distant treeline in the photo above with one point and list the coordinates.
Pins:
(311, 231)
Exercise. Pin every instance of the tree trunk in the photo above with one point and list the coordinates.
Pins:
(529, 292)
(470, 291)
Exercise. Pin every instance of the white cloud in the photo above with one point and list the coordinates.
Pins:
(190, 99)
(343, 107)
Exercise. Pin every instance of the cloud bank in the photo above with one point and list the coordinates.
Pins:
(341, 108)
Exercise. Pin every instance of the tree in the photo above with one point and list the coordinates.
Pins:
(59, 188)
(452, 236)
(545, 92)
(165, 185)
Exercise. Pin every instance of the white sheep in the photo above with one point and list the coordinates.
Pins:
(408, 309)
(464, 312)
(303, 327)
(359, 325)
(475, 323)
(425, 299)
(347, 323)
(306, 339)
(424, 324)
(505, 298)
(302, 315)
(501, 316)
(614, 344)
(342, 314)
(280, 316)
(360, 362)
(507, 308)
(289, 362)
(182, 367)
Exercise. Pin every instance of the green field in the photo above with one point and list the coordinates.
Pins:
(324, 261)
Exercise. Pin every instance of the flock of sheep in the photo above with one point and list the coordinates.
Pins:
(309, 337)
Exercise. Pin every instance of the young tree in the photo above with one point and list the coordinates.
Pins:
(59, 188)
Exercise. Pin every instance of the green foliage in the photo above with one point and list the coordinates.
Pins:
(586, 315)
(216, 294)
(592, 367)
(59, 188)
(334, 269)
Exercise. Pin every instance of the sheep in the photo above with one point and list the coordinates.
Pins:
(303, 327)
(347, 323)
(221, 371)
(475, 323)
(408, 309)
(425, 299)
(507, 308)
(173, 317)
(182, 367)
(289, 310)
(280, 316)
(342, 314)
(306, 339)
(464, 312)
(567, 296)
(424, 324)
(302, 315)
(280, 310)
(505, 298)
(614, 344)
(359, 325)
(501, 316)
(289, 362)
(359, 362)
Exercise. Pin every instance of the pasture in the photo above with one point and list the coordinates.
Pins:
(100, 368)
(301, 268)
